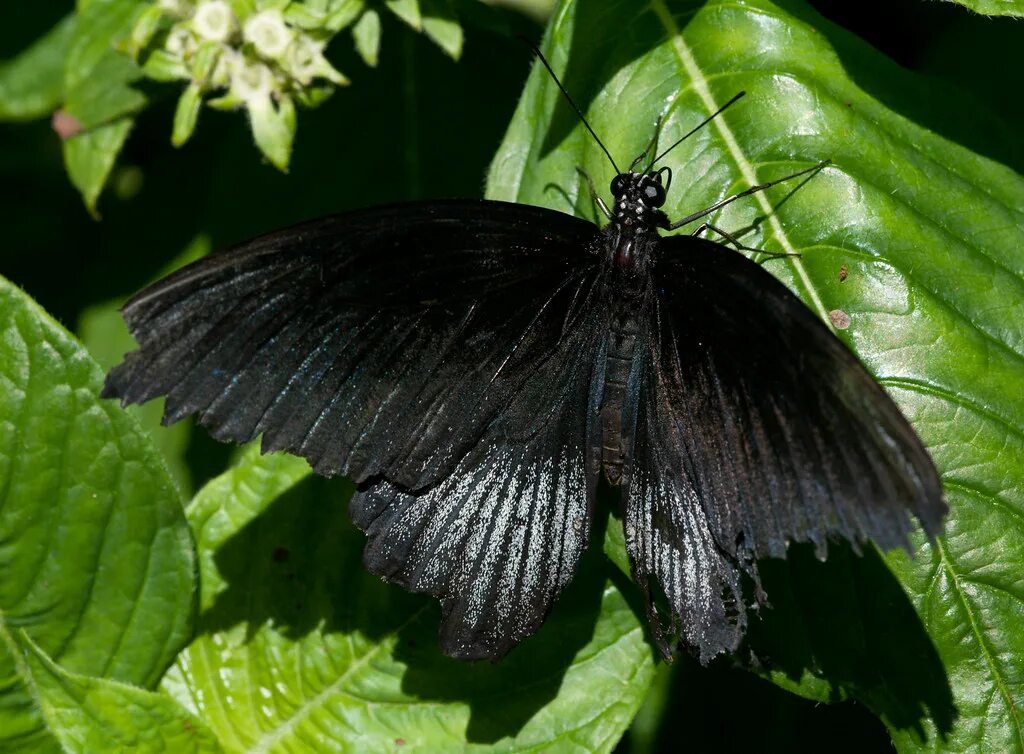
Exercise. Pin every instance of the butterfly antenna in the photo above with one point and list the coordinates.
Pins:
(579, 112)
(694, 130)
(651, 145)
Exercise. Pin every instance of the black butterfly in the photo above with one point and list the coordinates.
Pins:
(475, 366)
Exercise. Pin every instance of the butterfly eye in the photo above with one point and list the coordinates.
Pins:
(618, 185)
(654, 194)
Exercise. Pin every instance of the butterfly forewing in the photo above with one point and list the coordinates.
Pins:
(756, 427)
(378, 342)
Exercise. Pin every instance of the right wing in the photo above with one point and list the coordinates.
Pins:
(757, 427)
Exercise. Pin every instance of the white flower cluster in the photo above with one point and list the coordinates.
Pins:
(260, 55)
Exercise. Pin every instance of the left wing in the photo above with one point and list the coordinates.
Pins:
(756, 427)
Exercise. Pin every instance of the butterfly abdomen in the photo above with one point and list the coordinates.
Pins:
(622, 347)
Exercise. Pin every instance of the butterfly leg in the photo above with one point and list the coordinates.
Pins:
(752, 190)
(595, 197)
(741, 246)
(728, 237)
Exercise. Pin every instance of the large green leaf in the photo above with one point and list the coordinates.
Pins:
(299, 649)
(993, 7)
(89, 714)
(931, 238)
(96, 557)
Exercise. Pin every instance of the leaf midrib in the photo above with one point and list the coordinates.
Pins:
(999, 682)
(267, 741)
(700, 85)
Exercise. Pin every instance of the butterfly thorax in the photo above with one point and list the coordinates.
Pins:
(629, 249)
(632, 234)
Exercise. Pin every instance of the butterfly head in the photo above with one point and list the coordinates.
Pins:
(639, 197)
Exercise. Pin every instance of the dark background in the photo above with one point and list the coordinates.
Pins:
(421, 125)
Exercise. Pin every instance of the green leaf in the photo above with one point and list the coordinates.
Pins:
(435, 18)
(186, 114)
(96, 74)
(100, 99)
(32, 84)
(298, 643)
(273, 128)
(342, 13)
(442, 26)
(314, 95)
(366, 34)
(303, 16)
(89, 157)
(243, 8)
(162, 66)
(205, 61)
(932, 236)
(98, 93)
(408, 11)
(993, 7)
(647, 726)
(144, 28)
(96, 555)
(89, 714)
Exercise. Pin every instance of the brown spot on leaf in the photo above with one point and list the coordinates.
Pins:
(840, 319)
(65, 125)
(844, 272)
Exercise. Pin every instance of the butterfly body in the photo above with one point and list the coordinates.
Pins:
(630, 243)
(618, 388)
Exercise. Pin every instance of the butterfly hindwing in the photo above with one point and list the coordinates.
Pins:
(499, 539)
(376, 343)
(756, 427)
(669, 540)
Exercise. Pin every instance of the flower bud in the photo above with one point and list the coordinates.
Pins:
(214, 21)
(180, 42)
(251, 81)
(306, 61)
(269, 34)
